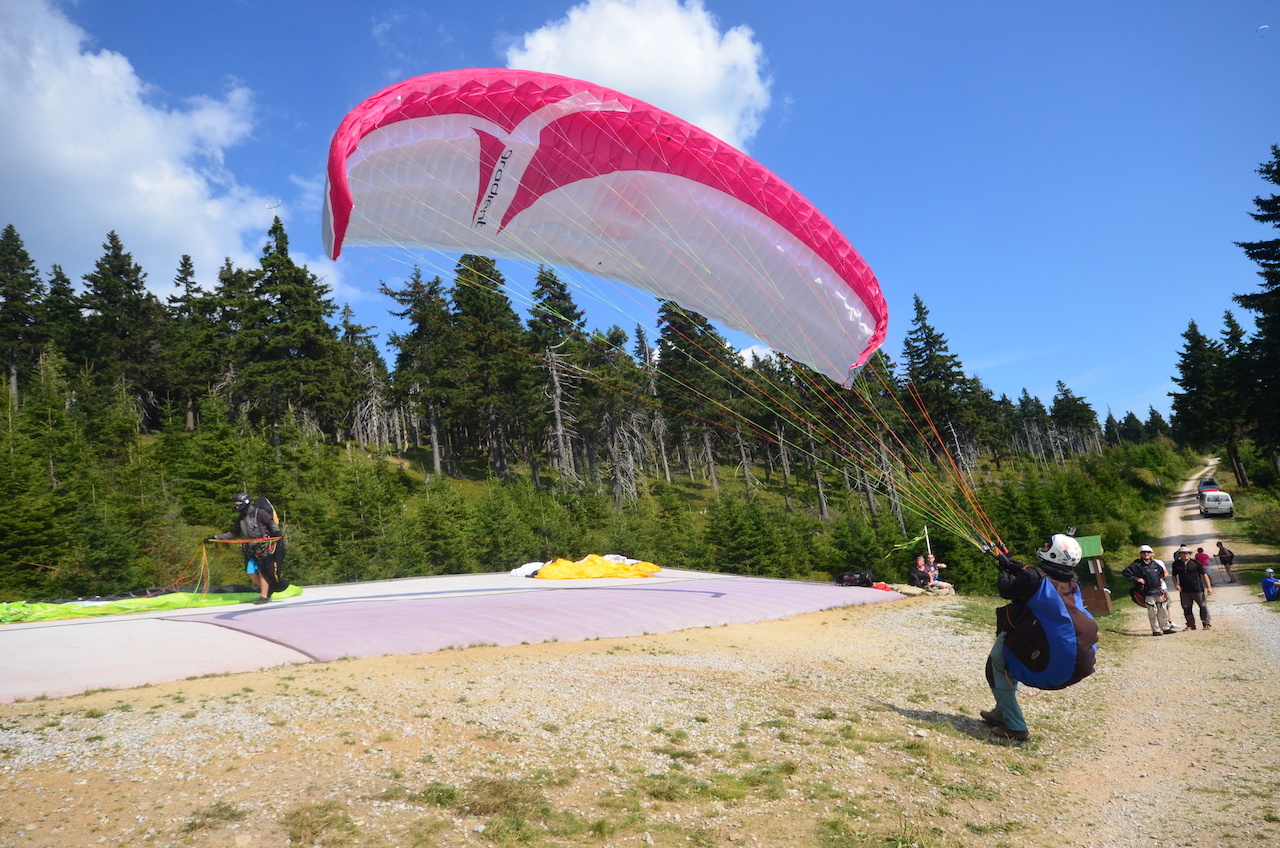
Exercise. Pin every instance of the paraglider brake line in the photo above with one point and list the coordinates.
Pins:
(245, 541)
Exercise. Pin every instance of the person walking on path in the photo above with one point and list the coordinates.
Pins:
(264, 560)
(1192, 577)
(1227, 559)
(1149, 573)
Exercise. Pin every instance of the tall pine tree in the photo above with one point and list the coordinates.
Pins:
(1264, 348)
(489, 354)
(20, 292)
(123, 324)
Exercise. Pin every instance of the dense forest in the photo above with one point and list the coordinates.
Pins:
(494, 439)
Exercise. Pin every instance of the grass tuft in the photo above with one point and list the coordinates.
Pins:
(325, 823)
(502, 796)
(219, 812)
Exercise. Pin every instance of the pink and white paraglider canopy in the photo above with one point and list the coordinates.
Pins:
(555, 170)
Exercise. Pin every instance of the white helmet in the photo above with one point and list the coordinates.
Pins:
(1063, 550)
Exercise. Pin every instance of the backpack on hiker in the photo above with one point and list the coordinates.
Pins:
(253, 528)
(267, 556)
(1051, 641)
(1150, 572)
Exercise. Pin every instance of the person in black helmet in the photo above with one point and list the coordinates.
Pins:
(264, 561)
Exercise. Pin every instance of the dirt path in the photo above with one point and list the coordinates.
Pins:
(1192, 757)
(849, 728)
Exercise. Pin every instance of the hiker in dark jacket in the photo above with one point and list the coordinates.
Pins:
(1149, 574)
(1018, 584)
(1194, 582)
(264, 561)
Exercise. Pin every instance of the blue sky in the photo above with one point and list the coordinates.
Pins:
(1061, 183)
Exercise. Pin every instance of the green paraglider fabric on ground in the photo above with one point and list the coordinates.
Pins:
(27, 611)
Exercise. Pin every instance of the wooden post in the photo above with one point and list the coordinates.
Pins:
(1097, 600)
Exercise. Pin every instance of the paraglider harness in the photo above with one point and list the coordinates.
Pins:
(1151, 573)
(268, 554)
(1051, 640)
(865, 577)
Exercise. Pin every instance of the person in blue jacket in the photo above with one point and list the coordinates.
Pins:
(1018, 583)
(1270, 585)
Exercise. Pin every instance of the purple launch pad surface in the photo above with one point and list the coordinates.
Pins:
(404, 616)
(363, 628)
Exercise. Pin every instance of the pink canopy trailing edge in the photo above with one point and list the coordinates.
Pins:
(555, 170)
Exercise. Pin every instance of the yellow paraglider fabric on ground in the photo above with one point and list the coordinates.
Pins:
(592, 566)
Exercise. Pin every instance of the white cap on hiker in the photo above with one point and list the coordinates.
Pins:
(1145, 549)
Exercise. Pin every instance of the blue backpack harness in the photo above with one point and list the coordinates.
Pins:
(1051, 641)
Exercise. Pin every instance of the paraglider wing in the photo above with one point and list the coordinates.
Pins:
(549, 169)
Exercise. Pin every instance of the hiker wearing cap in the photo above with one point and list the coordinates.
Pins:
(264, 560)
(1192, 577)
(1149, 574)
(1270, 585)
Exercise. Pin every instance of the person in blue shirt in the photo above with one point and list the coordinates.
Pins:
(1270, 586)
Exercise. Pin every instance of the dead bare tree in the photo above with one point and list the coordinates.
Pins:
(560, 378)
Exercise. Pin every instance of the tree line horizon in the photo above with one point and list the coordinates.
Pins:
(129, 421)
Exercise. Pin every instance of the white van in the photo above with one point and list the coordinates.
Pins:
(1216, 503)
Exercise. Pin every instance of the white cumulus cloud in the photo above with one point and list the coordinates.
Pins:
(86, 152)
(665, 52)
(757, 351)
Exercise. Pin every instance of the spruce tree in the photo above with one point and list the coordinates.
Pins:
(489, 356)
(194, 353)
(425, 373)
(293, 359)
(554, 315)
(935, 373)
(1264, 347)
(1071, 412)
(20, 292)
(555, 338)
(62, 324)
(122, 336)
(1131, 429)
(1155, 426)
(1111, 429)
(1195, 416)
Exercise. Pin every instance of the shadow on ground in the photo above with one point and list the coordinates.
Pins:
(970, 727)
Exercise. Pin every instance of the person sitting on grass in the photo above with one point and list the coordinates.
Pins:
(933, 566)
(919, 577)
(1270, 585)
